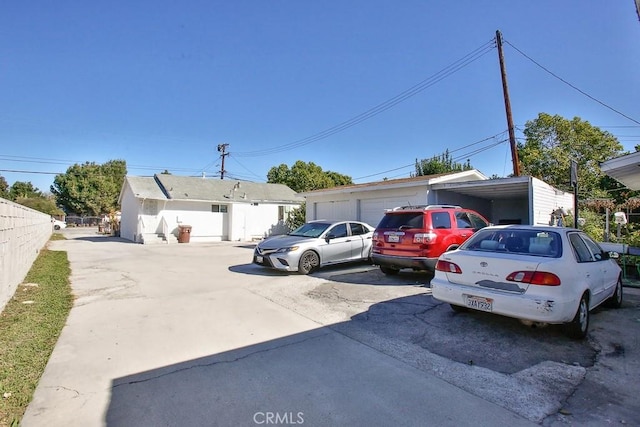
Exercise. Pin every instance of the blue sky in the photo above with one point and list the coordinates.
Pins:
(161, 83)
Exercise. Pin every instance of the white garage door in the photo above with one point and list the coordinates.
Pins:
(338, 210)
(372, 210)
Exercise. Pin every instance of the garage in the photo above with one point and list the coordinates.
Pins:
(516, 200)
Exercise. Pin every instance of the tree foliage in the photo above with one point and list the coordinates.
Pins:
(43, 204)
(24, 190)
(296, 217)
(306, 177)
(4, 188)
(25, 194)
(439, 164)
(551, 142)
(90, 189)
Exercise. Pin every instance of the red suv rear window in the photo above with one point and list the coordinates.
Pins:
(404, 220)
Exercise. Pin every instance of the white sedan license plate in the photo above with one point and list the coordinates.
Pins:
(259, 259)
(479, 303)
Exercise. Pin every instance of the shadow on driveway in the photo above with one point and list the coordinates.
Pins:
(342, 375)
(320, 377)
(356, 273)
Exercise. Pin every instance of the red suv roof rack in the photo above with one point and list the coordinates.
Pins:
(425, 207)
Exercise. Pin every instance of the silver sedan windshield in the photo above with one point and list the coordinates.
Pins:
(310, 229)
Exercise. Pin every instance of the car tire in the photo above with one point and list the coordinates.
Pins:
(578, 327)
(459, 308)
(389, 271)
(615, 301)
(308, 262)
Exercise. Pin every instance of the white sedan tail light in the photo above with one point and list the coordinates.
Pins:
(448, 267)
(534, 278)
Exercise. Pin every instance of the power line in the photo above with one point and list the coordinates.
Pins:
(457, 158)
(571, 85)
(23, 171)
(384, 106)
(244, 167)
(39, 160)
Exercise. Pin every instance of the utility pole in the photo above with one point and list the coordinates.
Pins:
(507, 106)
(222, 148)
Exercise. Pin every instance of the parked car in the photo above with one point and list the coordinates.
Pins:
(314, 245)
(415, 236)
(544, 274)
(57, 224)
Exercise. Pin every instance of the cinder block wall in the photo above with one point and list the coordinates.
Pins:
(23, 232)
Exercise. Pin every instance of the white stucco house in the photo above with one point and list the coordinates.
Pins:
(154, 208)
(518, 200)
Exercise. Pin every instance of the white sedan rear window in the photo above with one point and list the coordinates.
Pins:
(526, 242)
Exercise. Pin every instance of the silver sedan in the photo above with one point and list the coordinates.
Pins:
(316, 244)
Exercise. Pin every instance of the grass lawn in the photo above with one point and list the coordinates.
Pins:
(30, 325)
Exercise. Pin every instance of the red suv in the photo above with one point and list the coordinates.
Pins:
(415, 236)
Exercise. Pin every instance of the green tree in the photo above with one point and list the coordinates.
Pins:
(42, 204)
(306, 177)
(22, 190)
(551, 142)
(438, 164)
(90, 188)
(296, 217)
(4, 188)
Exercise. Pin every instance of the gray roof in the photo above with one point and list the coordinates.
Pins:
(174, 187)
(145, 187)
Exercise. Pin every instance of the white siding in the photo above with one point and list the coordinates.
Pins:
(129, 214)
(206, 226)
(255, 221)
(546, 199)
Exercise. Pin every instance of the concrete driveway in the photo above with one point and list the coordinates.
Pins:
(193, 334)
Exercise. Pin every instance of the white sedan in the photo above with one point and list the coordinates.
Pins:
(316, 244)
(538, 274)
(57, 224)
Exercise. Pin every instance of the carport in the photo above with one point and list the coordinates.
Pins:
(517, 200)
(624, 169)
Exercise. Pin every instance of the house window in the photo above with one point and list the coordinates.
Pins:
(219, 208)
(150, 207)
(283, 212)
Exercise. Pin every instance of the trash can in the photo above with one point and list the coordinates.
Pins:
(184, 233)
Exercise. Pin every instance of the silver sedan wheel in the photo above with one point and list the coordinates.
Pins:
(308, 261)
